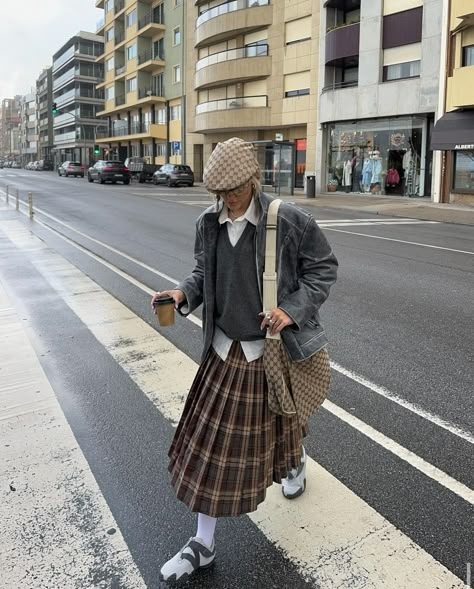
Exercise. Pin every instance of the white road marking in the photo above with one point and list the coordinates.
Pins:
(334, 538)
(56, 525)
(378, 389)
(438, 247)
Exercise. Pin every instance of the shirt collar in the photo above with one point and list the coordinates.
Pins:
(249, 215)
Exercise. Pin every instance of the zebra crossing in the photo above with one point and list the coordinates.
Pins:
(353, 546)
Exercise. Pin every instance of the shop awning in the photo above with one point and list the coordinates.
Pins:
(454, 130)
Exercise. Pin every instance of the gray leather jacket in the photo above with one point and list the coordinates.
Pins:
(306, 268)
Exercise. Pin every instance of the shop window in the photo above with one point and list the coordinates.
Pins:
(463, 176)
(468, 56)
(401, 71)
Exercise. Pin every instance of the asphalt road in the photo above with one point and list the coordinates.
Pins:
(400, 323)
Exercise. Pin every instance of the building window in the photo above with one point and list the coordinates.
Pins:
(160, 116)
(161, 149)
(135, 150)
(400, 71)
(468, 56)
(131, 18)
(132, 85)
(132, 51)
(463, 176)
(176, 36)
(177, 3)
(298, 30)
(109, 4)
(109, 64)
(175, 113)
(148, 150)
(300, 92)
(109, 34)
(110, 93)
(259, 48)
(176, 73)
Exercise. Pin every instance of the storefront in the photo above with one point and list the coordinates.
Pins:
(379, 156)
(454, 135)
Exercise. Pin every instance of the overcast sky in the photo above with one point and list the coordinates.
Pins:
(31, 31)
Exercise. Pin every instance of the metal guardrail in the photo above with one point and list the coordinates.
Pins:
(232, 103)
(227, 7)
(146, 92)
(148, 56)
(230, 54)
(340, 85)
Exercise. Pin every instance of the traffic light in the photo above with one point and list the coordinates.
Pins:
(54, 109)
(96, 150)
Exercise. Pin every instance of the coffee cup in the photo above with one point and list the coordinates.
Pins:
(164, 310)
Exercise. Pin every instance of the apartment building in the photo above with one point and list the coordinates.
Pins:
(252, 72)
(28, 129)
(9, 127)
(76, 76)
(144, 79)
(379, 86)
(44, 101)
(453, 136)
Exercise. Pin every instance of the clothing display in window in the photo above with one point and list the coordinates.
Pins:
(347, 174)
(393, 178)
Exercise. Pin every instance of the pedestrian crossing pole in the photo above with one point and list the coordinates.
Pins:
(30, 204)
(8, 190)
(17, 199)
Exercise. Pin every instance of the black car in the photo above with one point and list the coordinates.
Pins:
(109, 171)
(174, 174)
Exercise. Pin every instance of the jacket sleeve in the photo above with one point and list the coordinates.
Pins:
(317, 270)
(193, 285)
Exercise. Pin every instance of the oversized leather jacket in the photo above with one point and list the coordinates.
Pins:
(306, 269)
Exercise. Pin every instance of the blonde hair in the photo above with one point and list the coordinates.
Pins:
(256, 190)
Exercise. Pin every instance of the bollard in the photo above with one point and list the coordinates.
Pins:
(7, 192)
(17, 199)
(30, 204)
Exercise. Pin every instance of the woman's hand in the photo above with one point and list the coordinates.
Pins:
(177, 295)
(275, 320)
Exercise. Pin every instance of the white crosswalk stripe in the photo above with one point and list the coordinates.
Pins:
(362, 544)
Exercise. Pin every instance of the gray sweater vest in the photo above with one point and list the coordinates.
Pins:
(238, 302)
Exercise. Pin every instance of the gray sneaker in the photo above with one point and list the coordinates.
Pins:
(193, 555)
(295, 483)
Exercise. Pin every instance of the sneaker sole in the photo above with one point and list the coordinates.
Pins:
(295, 495)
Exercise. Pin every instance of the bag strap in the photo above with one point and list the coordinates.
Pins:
(270, 278)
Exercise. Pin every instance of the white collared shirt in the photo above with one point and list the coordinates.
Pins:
(221, 343)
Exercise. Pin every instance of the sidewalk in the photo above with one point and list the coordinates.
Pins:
(411, 208)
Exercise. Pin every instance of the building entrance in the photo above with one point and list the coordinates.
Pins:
(277, 162)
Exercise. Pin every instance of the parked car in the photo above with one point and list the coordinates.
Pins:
(109, 171)
(16, 165)
(174, 174)
(46, 165)
(34, 165)
(70, 168)
(29, 166)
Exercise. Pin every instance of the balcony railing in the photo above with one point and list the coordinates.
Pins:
(148, 56)
(120, 70)
(232, 103)
(147, 92)
(227, 7)
(240, 53)
(122, 130)
(148, 19)
(119, 100)
(100, 24)
(119, 37)
(119, 5)
(339, 85)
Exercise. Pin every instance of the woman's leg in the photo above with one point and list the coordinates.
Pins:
(206, 528)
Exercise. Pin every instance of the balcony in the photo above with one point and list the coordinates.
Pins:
(136, 131)
(342, 42)
(119, 100)
(99, 29)
(119, 6)
(242, 64)
(231, 19)
(99, 3)
(119, 38)
(461, 88)
(120, 71)
(149, 25)
(146, 95)
(148, 61)
(340, 85)
(253, 113)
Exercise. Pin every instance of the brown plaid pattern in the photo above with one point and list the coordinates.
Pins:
(295, 387)
(229, 447)
(231, 164)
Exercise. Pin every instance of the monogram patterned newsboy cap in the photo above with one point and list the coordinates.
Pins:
(231, 164)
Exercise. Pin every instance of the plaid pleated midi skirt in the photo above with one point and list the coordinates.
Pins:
(229, 447)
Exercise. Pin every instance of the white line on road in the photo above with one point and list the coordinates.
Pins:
(438, 247)
(333, 537)
(378, 389)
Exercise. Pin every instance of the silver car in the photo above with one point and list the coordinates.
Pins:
(71, 169)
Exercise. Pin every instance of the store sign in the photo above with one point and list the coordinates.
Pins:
(464, 146)
(278, 136)
(301, 145)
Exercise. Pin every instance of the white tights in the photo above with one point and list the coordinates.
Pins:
(206, 528)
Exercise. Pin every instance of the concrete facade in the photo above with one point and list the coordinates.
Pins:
(28, 129)
(44, 101)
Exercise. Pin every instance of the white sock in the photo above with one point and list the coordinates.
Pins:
(206, 528)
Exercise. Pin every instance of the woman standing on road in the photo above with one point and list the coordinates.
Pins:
(229, 447)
